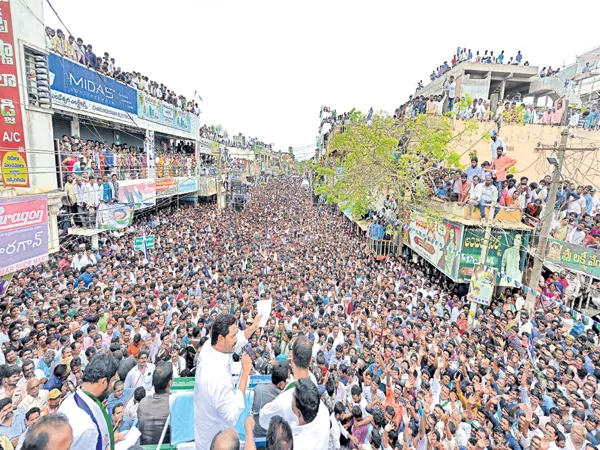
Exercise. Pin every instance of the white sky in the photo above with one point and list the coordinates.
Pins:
(265, 67)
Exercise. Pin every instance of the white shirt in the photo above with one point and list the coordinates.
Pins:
(314, 435)
(136, 378)
(475, 192)
(85, 433)
(216, 404)
(335, 432)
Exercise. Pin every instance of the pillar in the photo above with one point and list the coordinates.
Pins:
(502, 89)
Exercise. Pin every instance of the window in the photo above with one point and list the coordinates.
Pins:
(38, 79)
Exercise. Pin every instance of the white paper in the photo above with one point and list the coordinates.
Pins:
(263, 307)
(130, 439)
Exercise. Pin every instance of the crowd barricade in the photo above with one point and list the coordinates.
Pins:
(382, 248)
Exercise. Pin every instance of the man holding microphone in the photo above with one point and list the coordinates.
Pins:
(217, 404)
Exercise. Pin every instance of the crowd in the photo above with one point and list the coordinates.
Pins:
(466, 55)
(362, 354)
(218, 134)
(81, 53)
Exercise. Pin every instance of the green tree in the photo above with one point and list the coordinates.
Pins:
(387, 156)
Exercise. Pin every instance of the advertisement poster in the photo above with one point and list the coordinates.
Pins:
(574, 257)
(5, 282)
(150, 147)
(75, 80)
(205, 146)
(481, 287)
(140, 196)
(14, 169)
(440, 243)
(154, 110)
(506, 253)
(166, 187)
(114, 216)
(185, 185)
(23, 232)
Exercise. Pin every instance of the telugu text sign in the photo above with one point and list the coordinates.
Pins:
(13, 158)
(23, 232)
(574, 257)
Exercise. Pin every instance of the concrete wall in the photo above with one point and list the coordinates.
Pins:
(521, 140)
(29, 31)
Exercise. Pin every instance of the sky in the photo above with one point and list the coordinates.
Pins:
(265, 67)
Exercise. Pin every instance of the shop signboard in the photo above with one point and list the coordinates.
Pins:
(13, 158)
(507, 251)
(23, 232)
(185, 185)
(434, 239)
(166, 187)
(139, 195)
(155, 110)
(574, 257)
(205, 146)
(77, 81)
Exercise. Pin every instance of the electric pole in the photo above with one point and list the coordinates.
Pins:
(548, 213)
(219, 170)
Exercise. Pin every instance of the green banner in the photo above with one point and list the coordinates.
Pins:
(507, 251)
(574, 257)
(259, 148)
(138, 243)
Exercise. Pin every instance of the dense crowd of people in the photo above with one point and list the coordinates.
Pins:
(362, 353)
(221, 136)
(81, 53)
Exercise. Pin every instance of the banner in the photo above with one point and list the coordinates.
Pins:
(140, 196)
(23, 232)
(149, 147)
(574, 257)
(215, 148)
(185, 185)
(205, 146)
(259, 148)
(14, 169)
(481, 287)
(5, 283)
(155, 110)
(166, 187)
(440, 244)
(506, 253)
(114, 216)
(75, 80)
(207, 186)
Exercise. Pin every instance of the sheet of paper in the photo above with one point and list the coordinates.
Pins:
(130, 439)
(263, 307)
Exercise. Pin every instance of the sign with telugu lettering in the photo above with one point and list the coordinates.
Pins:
(506, 253)
(574, 257)
(481, 288)
(14, 168)
(23, 232)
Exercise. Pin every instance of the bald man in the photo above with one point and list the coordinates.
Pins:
(35, 397)
(51, 432)
(227, 439)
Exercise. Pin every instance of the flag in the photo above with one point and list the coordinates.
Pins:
(370, 116)
(196, 95)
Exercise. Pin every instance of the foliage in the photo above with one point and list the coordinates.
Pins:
(400, 157)
(473, 154)
(512, 169)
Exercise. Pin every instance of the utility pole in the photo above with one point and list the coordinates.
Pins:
(219, 171)
(547, 219)
(484, 253)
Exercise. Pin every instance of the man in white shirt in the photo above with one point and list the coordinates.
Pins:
(282, 405)
(576, 235)
(474, 194)
(217, 405)
(311, 427)
(84, 409)
(141, 375)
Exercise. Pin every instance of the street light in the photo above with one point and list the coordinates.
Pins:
(552, 161)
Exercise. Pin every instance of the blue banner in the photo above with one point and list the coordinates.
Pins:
(78, 81)
(187, 185)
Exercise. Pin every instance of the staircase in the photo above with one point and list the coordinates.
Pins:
(555, 88)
